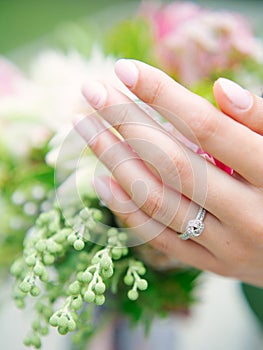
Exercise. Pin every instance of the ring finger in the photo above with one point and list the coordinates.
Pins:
(161, 202)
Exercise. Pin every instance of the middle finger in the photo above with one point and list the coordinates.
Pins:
(178, 167)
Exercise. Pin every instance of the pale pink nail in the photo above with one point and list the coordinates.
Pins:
(238, 96)
(95, 93)
(88, 128)
(101, 186)
(127, 72)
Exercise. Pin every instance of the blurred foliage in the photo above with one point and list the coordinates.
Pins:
(24, 21)
(254, 298)
(131, 39)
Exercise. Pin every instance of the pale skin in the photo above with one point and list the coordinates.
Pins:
(177, 180)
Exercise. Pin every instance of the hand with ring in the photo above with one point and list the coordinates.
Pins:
(169, 193)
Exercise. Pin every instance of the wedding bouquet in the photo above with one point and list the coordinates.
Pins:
(73, 256)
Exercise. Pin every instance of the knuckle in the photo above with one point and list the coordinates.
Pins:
(153, 205)
(176, 166)
(154, 92)
(123, 120)
(204, 126)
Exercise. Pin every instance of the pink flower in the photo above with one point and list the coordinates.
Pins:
(216, 162)
(192, 42)
(192, 146)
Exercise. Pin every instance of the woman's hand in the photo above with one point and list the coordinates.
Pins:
(160, 183)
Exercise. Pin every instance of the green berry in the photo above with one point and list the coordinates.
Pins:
(16, 268)
(47, 311)
(79, 244)
(107, 273)
(142, 284)
(60, 237)
(85, 276)
(36, 325)
(41, 245)
(141, 270)
(72, 238)
(30, 260)
(35, 341)
(77, 303)
(105, 262)
(112, 240)
(25, 286)
(48, 259)
(74, 288)
(44, 330)
(89, 296)
(53, 227)
(44, 276)
(62, 330)
(71, 325)
(40, 307)
(128, 280)
(63, 321)
(122, 237)
(35, 291)
(20, 303)
(54, 320)
(133, 294)
(99, 299)
(27, 341)
(112, 232)
(100, 288)
(97, 215)
(116, 253)
(53, 247)
(125, 251)
(39, 269)
(84, 214)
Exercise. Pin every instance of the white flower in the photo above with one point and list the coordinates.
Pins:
(46, 101)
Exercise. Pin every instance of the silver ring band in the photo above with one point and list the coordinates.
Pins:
(194, 227)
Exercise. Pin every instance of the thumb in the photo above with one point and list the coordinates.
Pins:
(239, 104)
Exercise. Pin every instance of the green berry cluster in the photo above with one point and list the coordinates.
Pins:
(60, 264)
(65, 321)
(82, 226)
(90, 283)
(39, 325)
(43, 245)
(133, 279)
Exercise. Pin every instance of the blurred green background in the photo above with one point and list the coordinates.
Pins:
(24, 21)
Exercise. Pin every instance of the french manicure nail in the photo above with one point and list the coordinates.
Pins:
(95, 93)
(87, 127)
(102, 188)
(238, 96)
(127, 72)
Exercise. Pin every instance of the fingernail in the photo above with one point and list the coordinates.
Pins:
(127, 72)
(101, 186)
(87, 127)
(238, 96)
(95, 93)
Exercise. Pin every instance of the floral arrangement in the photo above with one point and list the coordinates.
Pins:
(72, 255)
